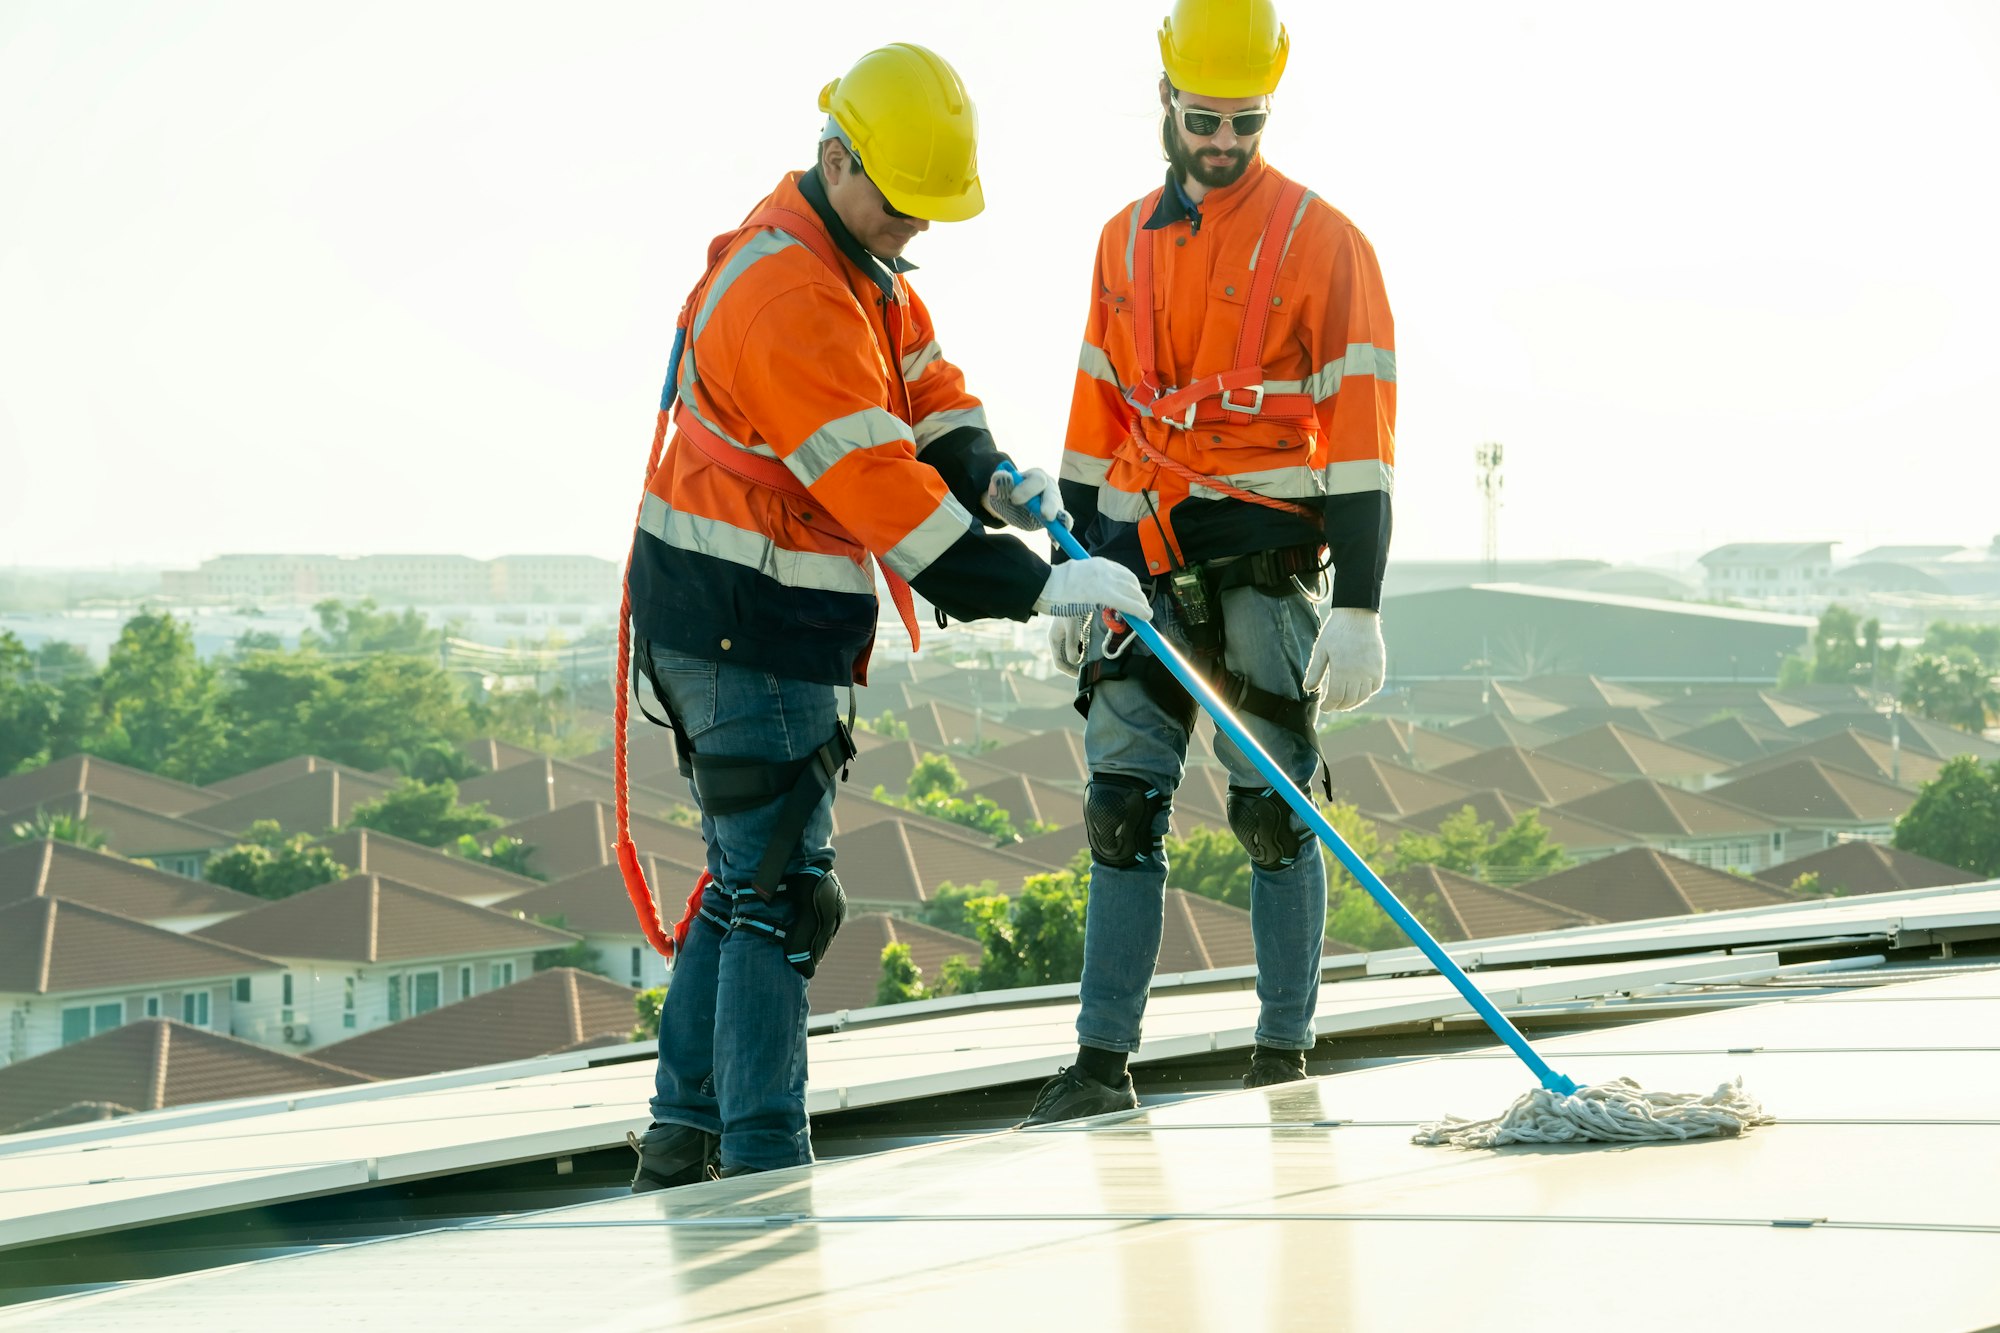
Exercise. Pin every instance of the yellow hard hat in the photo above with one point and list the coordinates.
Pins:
(1224, 48)
(906, 112)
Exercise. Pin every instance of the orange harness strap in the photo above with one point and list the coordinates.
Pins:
(1211, 399)
(753, 468)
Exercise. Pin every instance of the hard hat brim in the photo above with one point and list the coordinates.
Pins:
(937, 208)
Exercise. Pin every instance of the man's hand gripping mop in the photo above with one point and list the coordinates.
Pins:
(1558, 1111)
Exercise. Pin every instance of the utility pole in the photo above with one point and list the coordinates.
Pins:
(1488, 457)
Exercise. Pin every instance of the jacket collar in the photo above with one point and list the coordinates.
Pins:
(1176, 206)
(880, 270)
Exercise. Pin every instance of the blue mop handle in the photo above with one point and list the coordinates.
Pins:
(1305, 809)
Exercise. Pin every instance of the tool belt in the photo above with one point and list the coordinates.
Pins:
(1197, 592)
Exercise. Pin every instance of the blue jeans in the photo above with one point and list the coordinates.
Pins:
(733, 1029)
(1268, 640)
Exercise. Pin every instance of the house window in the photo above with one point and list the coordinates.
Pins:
(425, 991)
(75, 1024)
(243, 990)
(396, 998)
(465, 982)
(635, 966)
(285, 998)
(347, 1004)
(152, 1006)
(500, 974)
(1777, 841)
(194, 1008)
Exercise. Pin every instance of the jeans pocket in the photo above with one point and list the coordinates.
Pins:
(689, 684)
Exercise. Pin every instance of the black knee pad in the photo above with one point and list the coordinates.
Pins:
(1118, 814)
(1263, 824)
(819, 905)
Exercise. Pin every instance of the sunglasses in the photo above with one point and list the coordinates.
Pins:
(887, 207)
(1202, 124)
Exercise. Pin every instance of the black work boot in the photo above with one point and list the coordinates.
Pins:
(671, 1155)
(1268, 1066)
(1073, 1094)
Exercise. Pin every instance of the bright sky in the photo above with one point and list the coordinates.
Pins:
(402, 277)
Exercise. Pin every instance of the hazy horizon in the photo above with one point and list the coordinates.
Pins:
(380, 279)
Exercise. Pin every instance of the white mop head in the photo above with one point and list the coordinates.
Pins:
(1616, 1112)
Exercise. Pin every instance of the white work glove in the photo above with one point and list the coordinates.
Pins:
(1069, 638)
(1079, 587)
(1007, 500)
(1348, 657)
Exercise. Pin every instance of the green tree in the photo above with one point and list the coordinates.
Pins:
(1982, 641)
(1467, 844)
(576, 953)
(29, 707)
(503, 853)
(934, 775)
(424, 812)
(887, 725)
(361, 628)
(1351, 914)
(267, 864)
(436, 761)
(1956, 817)
(59, 828)
(648, 1003)
(1808, 886)
(1211, 863)
(902, 980)
(158, 706)
(1954, 688)
(946, 908)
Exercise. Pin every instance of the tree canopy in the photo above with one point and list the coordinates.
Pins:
(1956, 817)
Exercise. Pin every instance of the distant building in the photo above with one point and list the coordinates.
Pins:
(396, 579)
(1766, 571)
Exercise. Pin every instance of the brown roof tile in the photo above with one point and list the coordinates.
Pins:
(1527, 774)
(1734, 740)
(1577, 835)
(594, 902)
(283, 771)
(1025, 798)
(900, 861)
(110, 884)
(49, 946)
(127, 829)
(370, 919)
(1473, 910)
(1617, 752)
(1054, 756)
(942, 726)
(1808, 791)
(311, 803)
(1200, 934)
(1648, 807)
(580, 836)
(152, 1064)
(369, 851)
(1853, 751)
(1589, 692)
(848, 975)
(558, 1010)
(1490, 732)
(888, 766)
(85, 772)
(494, 755)
(1412, 746)
(540, 785)
(1643, 883)
(1382, 786)
(1867, 867)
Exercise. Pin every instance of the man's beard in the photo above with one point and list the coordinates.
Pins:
(1211, 175)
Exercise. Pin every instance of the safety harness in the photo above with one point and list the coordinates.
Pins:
(727, 785)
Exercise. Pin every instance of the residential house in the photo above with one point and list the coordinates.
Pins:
(1705, 828)
(539, 785)
(1468, 909)
(1492, 732)
(1053, 756)
(1199, 934)
(1911, 734)
(367, 951)
(936, 725)
(1618, 753)
(87, 773)
(1648, 721)
(549, 1013)
(1409, 745)
(178, 846)
(46, 869)
(147, 1065)
(313, 803)
(1384, 787)
(1854, 751)
(1734, 740)
(1584, 691)
(852, 969)
(888, 767)
(1645, 883)
(69, 972)
(594, 904)
(284, 770)
(1581, 839)
(1531, 775)
(492, 755)
(1868, 867)
(584, 834)
(897, 865)
(1789, 572)
(368, 851)
(1819, 805)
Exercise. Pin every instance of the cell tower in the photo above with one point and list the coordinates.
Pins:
(1488, 456)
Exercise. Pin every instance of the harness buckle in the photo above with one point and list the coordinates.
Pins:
(1185, 421)
(1256, 401)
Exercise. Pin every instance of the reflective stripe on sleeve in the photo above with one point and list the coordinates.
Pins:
(930, 539)
(915, 362)
(753, 550)
(1082, 467)
(1096, 363)
(865, 429)
(939, 424)
(1324, 383)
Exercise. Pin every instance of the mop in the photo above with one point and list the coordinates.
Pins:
(1559, 1111)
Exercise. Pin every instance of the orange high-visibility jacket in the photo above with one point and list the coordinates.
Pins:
(1329, 366)
(838, 375)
